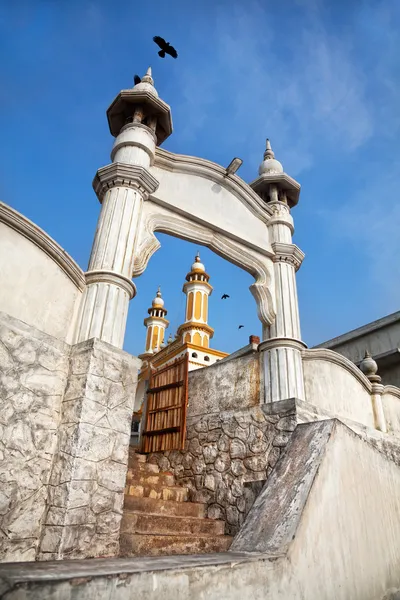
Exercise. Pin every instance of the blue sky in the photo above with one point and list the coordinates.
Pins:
(320, 78)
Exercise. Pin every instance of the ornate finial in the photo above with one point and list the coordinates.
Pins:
(268, 150)
(369, 367)
(159, 292)
(197, 257)
(148, 77)
(170, 339)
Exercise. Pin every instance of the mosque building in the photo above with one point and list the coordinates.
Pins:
(193, 336)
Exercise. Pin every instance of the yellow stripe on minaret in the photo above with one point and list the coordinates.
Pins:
(205, 307)
(189, 311)
(197, 308)
(197, 337)
(155, 337)
(148, 339)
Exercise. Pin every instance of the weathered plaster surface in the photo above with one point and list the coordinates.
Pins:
(33, 375)
(334, 521)
(88, 477)
(39, 283)
(335, 384)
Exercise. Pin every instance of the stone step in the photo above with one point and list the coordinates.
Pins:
(168, 525)
(157, 545)
(164, 507)
(143, 468)
(134, 477)
(158, 492)
(136, 457)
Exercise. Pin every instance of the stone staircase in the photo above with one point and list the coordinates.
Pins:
(159, 520)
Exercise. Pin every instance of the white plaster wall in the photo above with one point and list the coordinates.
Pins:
(33, 287)
(199, 197)
(391, 410)
(347, 545)
(333, 388)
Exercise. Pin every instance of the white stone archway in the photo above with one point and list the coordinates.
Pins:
(161, 215)
(146, 189)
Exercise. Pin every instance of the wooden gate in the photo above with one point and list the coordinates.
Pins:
(166, 406)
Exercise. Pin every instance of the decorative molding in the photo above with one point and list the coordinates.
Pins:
(105, 276)
(258, 266)
(340, 360)
(391, 389)
(120, 174)
(281, 342)
(196, 326)
(201, 167)
(280, 215)
(42, 240)
(288, 253)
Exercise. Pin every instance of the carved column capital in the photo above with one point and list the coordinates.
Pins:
(280, 215)
(288, 253)
(119, 174)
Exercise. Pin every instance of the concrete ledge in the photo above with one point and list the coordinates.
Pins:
(13, 575)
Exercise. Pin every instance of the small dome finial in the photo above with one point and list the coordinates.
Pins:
(198, 265)
(270, 166)
(158, 302)
(269, 153)
(146, 84)
(148, 77)
(369, 367)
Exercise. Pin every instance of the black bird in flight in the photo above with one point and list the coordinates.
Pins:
(240, 326)
(137, 79)
(224, 296)
(166, 47)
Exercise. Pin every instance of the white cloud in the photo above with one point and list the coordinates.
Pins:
(304, 91)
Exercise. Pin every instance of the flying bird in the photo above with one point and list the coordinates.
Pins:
(166, 47)
(240, 326)
(137, 79)
(224, 296)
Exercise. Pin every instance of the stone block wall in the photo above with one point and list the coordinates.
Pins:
(33, 376)
(227, 457)
(65, 420)
(86, 490)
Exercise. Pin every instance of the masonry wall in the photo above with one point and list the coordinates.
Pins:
(232, 445)
(65, 419)
(33, 376)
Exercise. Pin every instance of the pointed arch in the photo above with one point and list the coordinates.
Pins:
(258, 263)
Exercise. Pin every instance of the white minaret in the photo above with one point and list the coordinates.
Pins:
(156, 324)
(195, 329)
(282, 345)
(139, 121)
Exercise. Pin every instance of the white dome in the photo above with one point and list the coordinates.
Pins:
(270, 166)
(147, 84)
(158, 302)
(197, 265)
(143, 86)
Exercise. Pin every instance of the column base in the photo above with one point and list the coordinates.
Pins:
(283, 369)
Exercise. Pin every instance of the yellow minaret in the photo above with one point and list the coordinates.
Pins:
(156, 324)
(195, 329)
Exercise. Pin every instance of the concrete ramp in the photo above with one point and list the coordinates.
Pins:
(325, 527)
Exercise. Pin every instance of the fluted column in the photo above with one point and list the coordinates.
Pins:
(122, 189)
(282, 345)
